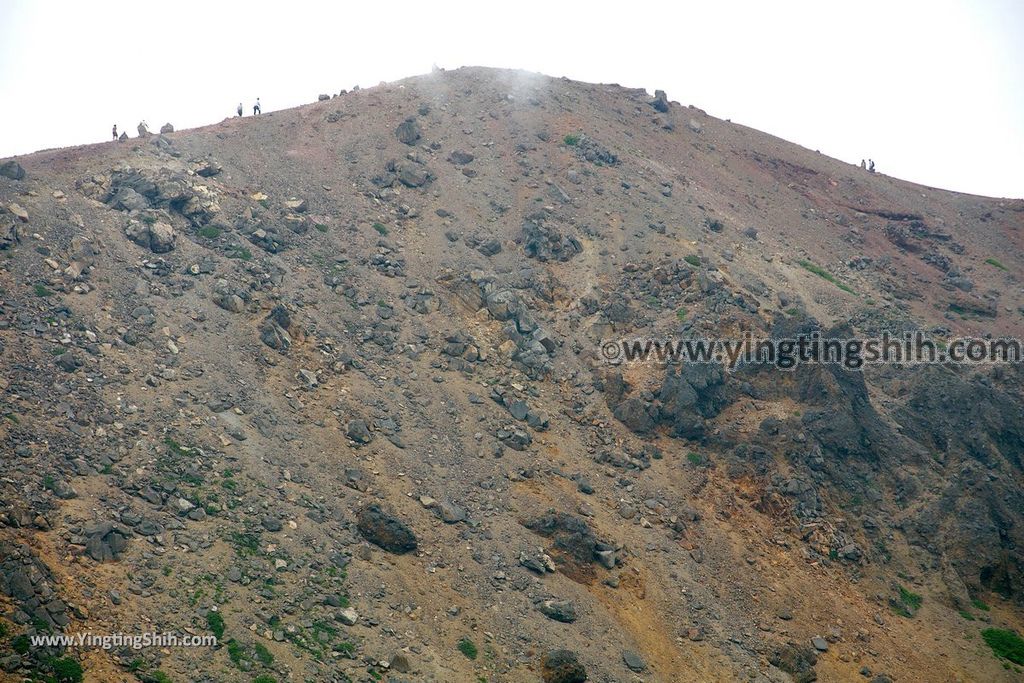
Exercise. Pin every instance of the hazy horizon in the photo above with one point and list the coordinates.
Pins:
(930, 91)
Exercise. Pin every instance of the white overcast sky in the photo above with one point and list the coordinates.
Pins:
(933, 91)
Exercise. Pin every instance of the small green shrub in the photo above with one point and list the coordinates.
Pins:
(209, 232)
(265, 656)
(148, 219)
(966, 615)
(40, 290)
(910, 599)
(468, 648)
(216, 623)
(264, 678)
(320, 227)
(907, 604)
(240, 253)
(714, 225)
(681, 314)
(66, 670)
(156, 676)
(21, 644)
(693, 260)
(694, 458)
(996, 264)
(978, 604)
(235, 651)
(245, 544)
(381, 228)
(1005, 644)
(572, 139)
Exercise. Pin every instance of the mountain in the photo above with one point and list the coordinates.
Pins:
(328, 383)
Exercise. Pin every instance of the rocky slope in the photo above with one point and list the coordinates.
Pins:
(327, 382)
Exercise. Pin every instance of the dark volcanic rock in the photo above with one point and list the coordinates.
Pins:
(385, 530)
(546, 243)
(408, 132)
(559, 610)
(562, 666)
(660, 102)
(796, 660)
(12, 169)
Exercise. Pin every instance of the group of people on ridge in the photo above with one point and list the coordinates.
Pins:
(143, 128)
(256, 110)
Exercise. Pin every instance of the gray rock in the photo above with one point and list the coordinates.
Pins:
(633, 661)
(562, 666)
(385, 530)
(449, 512)
(660, 102)
(359, 432)
(408, 132)
(558, 610)
(158, 237)
(12, 169)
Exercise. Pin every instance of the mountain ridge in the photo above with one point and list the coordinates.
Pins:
(223, 347)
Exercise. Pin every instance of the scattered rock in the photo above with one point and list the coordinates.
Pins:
(562, 666)
(408, 132)
(385, 530)
(12, 169)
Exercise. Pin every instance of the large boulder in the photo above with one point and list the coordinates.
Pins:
(12, 169)
(166, 128)
(546, 243)
(660, 102)
(408, 132)
(413, 175)
(796, 660)
(636, 414)
(106, 541)
(562, 666)
(385, 530)
(9, 236)
(157, 236)
(274, 331)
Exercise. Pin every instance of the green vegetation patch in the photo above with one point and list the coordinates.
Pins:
(907, 604)
(824, 274)
(572, 139)
(468, 648)
(216, 623)
(1005, 644)
(209, 232)
(996, 264)
(693, 260)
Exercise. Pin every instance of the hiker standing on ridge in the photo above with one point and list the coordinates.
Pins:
(239, 108)
(871, 166)
(115, 131)
(256, 107)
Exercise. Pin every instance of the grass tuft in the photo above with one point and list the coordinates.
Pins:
(1005, 644)
(468, 648)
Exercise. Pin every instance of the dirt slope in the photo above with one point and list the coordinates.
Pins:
(222, 346)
